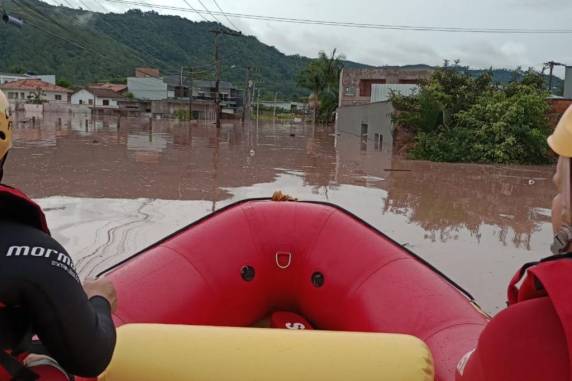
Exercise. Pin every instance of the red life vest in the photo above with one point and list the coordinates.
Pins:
(551, 277)
(16, 206)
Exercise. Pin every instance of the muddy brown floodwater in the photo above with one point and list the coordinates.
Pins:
(113, 186)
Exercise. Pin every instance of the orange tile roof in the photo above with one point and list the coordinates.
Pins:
(118, 88)
(34, 84)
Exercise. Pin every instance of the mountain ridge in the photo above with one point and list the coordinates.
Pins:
(82, 46)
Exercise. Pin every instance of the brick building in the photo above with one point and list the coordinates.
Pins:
(356, 84)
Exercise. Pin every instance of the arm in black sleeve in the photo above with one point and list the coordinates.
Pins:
(77, 332)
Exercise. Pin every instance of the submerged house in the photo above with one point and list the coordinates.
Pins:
(364, 108)
(97, 97)
(35, 90)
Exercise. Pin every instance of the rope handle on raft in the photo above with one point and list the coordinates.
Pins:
(279, 196)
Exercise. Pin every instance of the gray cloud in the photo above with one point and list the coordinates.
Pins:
(547, 5)
(379, 47)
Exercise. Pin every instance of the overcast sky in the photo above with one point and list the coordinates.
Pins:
(378, 47)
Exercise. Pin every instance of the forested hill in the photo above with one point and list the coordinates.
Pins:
(82, 46)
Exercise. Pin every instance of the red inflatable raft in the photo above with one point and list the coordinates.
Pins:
(297, 265)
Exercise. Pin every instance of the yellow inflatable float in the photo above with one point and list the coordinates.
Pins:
(193, 353)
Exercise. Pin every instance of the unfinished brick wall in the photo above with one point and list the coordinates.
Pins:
(557, 108)
(355, 84)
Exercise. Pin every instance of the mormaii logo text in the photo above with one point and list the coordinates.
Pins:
(58, 259)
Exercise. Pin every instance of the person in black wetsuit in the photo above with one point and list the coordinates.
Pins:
(41, 295)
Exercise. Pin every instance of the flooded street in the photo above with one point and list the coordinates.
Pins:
(111, 187)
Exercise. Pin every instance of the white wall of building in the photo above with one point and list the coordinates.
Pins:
(148, 88)
(20, 96)
(285, 106)
(5, 78)
(84, 97)
(49, 78)
(382, 92)
(568, 83)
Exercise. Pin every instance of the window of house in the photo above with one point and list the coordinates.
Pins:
(408, 81)
(365, 86)
(23, 95)
(106, 102)
(12, 95)
(58, 97)
(81, 101)
(350, 91)
(90, 101)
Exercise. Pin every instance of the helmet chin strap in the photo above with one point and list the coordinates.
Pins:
(2, 167)
(562, 240)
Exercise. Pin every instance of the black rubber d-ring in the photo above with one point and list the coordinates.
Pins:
(247, 273)
(318, 279)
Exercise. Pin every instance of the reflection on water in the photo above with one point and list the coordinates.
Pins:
(477, 223)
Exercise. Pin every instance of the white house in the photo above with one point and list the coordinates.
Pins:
(7, 77)
(26, 90)
(100, 97)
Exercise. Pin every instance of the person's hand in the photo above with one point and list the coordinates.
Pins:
(101, 287)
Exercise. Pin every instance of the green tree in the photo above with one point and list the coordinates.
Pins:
(64, 83)
(37, 96)
(321, 76)
(458, 118)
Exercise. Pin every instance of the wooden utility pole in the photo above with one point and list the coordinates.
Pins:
(217, 83)
(190, 94)
(258, 105)
(551, 65)
(217, 33)
(246, 96)
(275, 100)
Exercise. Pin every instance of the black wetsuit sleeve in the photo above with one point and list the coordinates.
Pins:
(77, 332)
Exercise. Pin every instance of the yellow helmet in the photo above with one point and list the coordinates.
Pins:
(561, 139)
(5, 126)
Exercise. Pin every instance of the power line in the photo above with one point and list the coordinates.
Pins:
(21, 4)
(71, 42)
(225, 15)
(68, 3)
(193, 9)
(210, 13)
(56, 35)
(343, 24)
(105, 10)
(86, 7)
(134, 52)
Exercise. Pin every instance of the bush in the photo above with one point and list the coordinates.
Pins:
(457, 118)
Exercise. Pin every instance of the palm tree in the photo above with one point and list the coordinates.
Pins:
(321, 76)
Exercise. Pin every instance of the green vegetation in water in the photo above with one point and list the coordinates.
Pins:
(322, 77)
(268, 116)
(456, 117)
